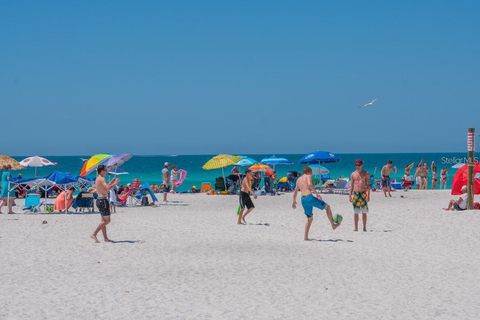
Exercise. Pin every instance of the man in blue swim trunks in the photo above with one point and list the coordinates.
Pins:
(309, 201)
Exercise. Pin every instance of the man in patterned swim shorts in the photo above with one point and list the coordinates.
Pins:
(360, 193)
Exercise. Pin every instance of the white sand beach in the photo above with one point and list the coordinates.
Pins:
(189, 260)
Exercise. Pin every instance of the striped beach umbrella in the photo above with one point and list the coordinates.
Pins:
(37, 162)
(93, 162)
(259, 167)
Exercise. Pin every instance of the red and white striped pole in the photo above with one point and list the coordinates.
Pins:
(471, 160)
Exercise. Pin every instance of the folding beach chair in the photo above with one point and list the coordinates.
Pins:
(32, 203)
(84, 201)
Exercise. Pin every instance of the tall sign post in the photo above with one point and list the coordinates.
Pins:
(471, 164)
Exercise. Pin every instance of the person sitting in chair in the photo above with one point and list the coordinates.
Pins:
(64, 200)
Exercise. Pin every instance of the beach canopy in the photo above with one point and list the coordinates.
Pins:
(319, 170)
(246, 161)
(275, 161)
(93, 162)
(318, 157)
(460, 179)
(458, 165)
(9, 162)
(221, 161)
(56, 178)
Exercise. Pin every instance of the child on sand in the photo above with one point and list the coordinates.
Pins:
(246, 203)
(360, 193)
(306, 188)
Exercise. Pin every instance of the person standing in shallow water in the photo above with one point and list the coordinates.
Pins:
(360, 193)
(309, 201)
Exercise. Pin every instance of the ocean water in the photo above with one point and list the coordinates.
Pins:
(148, 168)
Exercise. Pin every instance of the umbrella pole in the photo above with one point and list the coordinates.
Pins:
(224, 180)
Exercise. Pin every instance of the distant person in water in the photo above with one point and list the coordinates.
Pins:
(174, 178)
(309, 201)
(418, 178)
(424, 175)
(102, 188)
(359, 194)
(246, 203)
(386, 180)
(433, 167)
(443, 178)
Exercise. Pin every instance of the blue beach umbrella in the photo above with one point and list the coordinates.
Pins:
(246, 162)
(317, 157)
(275, 161)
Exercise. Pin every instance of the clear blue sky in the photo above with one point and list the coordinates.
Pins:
(187, 77)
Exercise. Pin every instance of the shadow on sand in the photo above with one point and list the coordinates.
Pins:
(128, 241)
(330, 240)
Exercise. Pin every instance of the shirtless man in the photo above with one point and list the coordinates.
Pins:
(246, 203)
(386, 178)
(360, 193)
(306, 188)
(102, 201)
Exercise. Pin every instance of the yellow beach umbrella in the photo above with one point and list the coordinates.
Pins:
(221, 161)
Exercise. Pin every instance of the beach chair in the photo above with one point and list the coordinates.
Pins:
(32, 203)
(84, 201)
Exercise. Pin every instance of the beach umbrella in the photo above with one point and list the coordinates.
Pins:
(220, 162)
(93, 162)
(9, 162)
(260, 167)
(319, 170)
(275, 161)
(318, 157)
(37, 162)
(117, 160)
(246, 161)
(460, 179)
(458, 165)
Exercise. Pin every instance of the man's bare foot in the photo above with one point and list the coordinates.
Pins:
(356, 229)
(306, 239)
(11, 212)
(94, 238)
(107, 240)
(364, 229)
(244, 221)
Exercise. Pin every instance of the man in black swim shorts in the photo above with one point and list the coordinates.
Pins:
(102, 189)
(246, 203)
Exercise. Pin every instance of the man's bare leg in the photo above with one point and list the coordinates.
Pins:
(355, 220)
(330, 217)
(364, 220)
(104, 229)
(245, 215)
(165, 197)
(10, 205)
(100, 227)
(450, 205)
(307, 228)
(240, 216)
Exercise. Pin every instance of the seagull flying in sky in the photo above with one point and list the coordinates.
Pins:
(369, 103)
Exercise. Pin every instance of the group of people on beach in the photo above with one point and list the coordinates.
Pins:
(420, 177)
(359, 196)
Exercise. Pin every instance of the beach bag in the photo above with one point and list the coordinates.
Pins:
(144, 201)
(476, 206)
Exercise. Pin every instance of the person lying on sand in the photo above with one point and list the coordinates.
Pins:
(460, 204)
(246, 203)
(309, 201)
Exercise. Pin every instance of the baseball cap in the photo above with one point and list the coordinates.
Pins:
(166, 164)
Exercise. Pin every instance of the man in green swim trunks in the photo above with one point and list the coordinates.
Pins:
(359, 193)
(309, 201)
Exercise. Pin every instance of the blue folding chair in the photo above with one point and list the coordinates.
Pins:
(32, 203)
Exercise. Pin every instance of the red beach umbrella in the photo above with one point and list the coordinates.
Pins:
(460, 179)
